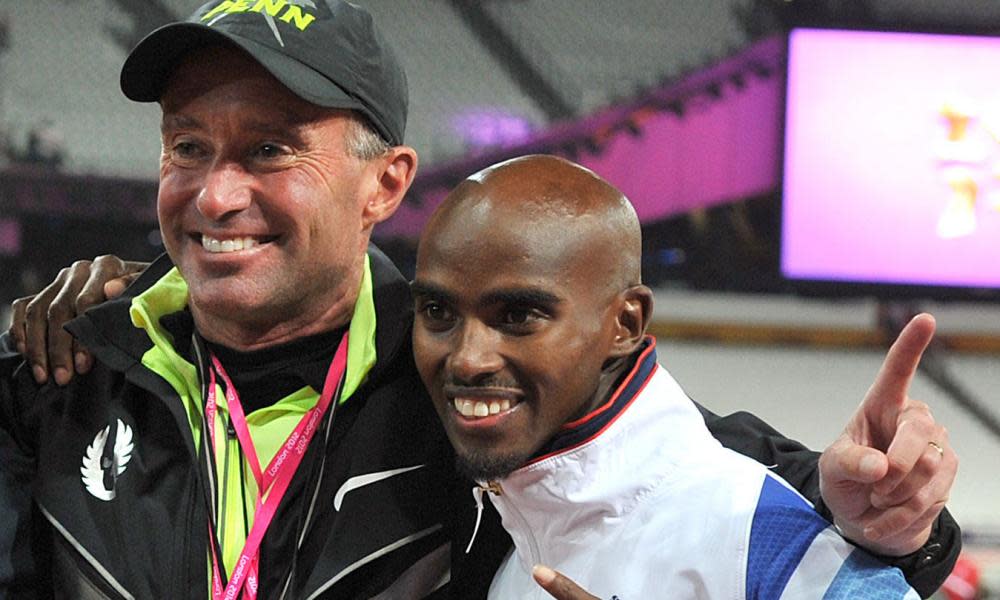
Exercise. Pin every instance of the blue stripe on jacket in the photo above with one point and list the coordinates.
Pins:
(784, 526)
(863, 576)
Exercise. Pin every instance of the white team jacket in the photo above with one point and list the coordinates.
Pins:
(652, 506)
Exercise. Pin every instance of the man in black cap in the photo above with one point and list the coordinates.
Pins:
(249, 428)
(253, 423)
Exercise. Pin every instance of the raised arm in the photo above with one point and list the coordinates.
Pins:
(885, 480)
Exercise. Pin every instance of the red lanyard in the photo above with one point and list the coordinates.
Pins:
(273, 481)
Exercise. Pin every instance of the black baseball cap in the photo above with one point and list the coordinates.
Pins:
(327, 52)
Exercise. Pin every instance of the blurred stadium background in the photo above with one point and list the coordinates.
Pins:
(493, 78)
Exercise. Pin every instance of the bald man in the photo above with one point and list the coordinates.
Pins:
(530, 335)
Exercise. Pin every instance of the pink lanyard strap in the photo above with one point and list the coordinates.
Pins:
(238, 420)
(274, 480)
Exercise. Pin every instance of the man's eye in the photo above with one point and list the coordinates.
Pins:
(436, 312)
(519, 317)
(186, 150)
(270, 151)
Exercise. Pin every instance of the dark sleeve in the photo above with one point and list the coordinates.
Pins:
(925, 570)
(16, 474)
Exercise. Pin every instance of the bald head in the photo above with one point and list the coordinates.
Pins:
(527, 306)
(562, 206)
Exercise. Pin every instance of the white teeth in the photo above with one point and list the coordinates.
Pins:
(232, 245)
(479, 409)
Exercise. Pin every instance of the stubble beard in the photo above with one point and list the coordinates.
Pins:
(487, 466)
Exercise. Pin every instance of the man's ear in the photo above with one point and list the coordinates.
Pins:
(634, 307)
(395, 174)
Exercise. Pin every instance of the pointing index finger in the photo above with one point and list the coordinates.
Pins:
(893, 379)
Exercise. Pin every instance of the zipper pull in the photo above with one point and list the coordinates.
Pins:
(230, 430)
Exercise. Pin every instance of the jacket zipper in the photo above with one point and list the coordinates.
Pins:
(521, 523)
(225, 489)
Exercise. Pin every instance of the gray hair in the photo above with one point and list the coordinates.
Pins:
(363, 141)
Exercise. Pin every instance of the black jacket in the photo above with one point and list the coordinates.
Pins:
(150, 541)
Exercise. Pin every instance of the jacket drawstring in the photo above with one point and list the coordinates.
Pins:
(477, 493)
(492, 487)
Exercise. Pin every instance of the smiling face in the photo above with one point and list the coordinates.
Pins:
(518, 312)
(261, 205)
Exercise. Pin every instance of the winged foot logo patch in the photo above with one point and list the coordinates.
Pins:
(101, 469)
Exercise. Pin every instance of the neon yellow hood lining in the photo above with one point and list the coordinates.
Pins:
(169, 295)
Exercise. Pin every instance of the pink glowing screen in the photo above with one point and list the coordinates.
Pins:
(892, 159)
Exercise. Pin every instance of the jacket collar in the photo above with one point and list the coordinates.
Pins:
(394, 308)
(108, 333)
(649, 426)
(591, 425)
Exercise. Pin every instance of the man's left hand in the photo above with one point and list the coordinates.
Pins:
(558, 585)
(888, 475)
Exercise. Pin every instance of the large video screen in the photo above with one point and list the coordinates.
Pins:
(891, 171)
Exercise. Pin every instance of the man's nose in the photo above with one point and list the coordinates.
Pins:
(227, 189)
(476, 354)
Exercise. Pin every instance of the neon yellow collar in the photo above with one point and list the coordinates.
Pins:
(169, 295)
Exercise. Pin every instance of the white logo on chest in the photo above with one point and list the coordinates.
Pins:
(93, 471)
